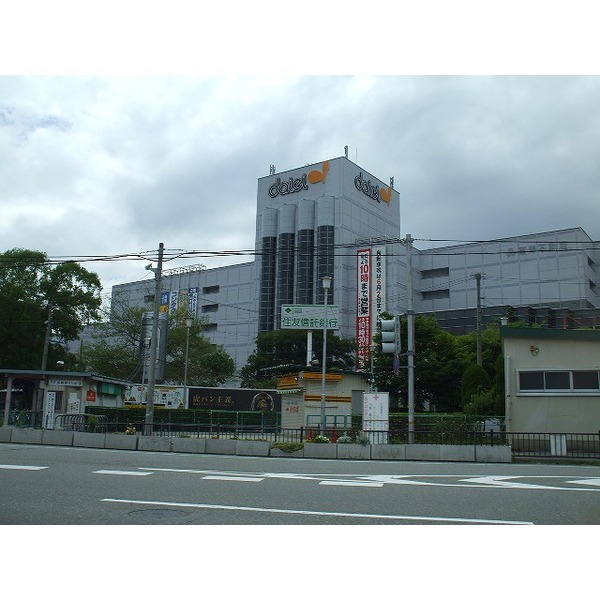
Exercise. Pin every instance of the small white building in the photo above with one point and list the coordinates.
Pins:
(552, 380)
(301, 399)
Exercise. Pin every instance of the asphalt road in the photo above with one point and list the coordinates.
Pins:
(57, 485)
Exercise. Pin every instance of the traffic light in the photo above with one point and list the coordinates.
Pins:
(388, 329)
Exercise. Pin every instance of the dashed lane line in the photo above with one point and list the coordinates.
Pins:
(233, 478)
(132, 473)
(351, 483)
(22, 468)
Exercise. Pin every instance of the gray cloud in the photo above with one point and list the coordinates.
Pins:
(106, 166)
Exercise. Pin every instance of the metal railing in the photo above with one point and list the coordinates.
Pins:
(535, 445)
(551, 445)
(80, 422)
(522, 444)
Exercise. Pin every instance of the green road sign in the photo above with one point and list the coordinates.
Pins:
(309, 316)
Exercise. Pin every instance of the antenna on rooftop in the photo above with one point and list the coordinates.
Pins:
(346, 151)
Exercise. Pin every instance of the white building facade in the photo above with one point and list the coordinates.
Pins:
(337, 220)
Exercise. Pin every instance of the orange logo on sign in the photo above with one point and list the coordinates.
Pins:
(386, 194)
(319, 176)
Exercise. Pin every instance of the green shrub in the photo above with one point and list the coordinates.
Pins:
(92, 423)
(288, 447)
(474, 381)
(487, 402)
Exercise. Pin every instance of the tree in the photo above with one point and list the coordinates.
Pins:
(475, 380)
(287, 348)
(39, 299)
(116, 350)
(208, 364)
(438, 368)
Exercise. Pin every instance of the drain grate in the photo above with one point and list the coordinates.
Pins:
(158, 514)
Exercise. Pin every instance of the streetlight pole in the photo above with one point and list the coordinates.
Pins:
(188, 324)
(326, 282)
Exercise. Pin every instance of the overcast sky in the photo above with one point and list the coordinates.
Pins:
(106, 164)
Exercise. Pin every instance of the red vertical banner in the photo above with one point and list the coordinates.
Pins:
(363, 309)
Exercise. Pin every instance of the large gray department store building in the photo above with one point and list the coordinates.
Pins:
(336, 219)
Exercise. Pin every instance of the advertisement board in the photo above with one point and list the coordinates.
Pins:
(235, 399)
(169, 396)
(49, 409)
(363, 309)
(376, 421)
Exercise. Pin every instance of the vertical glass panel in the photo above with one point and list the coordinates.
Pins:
(531, 380)
(585, 380)
(557, 380)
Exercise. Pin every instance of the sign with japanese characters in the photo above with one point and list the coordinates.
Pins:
(376, 413)
(309, 316)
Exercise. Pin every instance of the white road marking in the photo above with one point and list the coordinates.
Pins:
(232, 478)
(320, 514)
(487, 481)
(21, 468)
(505, 482)
(351, 483)
(133, 473)
(587, 481)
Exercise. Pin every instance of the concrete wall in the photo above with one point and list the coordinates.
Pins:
(397, 452)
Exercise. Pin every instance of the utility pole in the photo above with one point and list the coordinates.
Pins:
(47, 337)
(410, 351)
(478, 280)
(153, 344)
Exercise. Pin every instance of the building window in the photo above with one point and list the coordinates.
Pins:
(325, 254)
(435, 294)
(559, 382)
(267, 285)
(305, 266)
(586, 380)
(210, 327)
(211, 289)
(591, 263)
(285, 269)
(431, 273)
(531, 380)
(209, 308)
